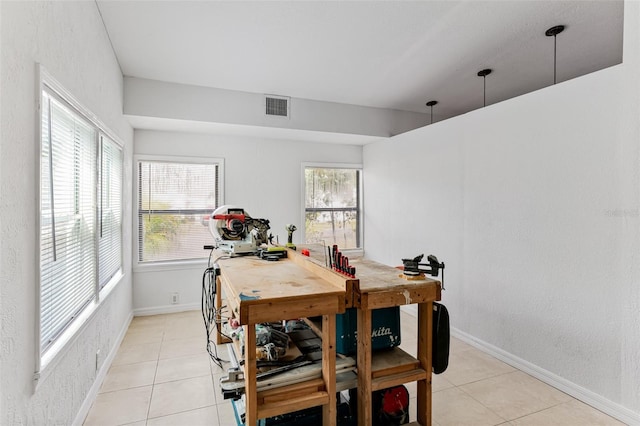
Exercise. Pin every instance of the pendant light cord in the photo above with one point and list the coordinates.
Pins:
(554, 31)
(555, 40)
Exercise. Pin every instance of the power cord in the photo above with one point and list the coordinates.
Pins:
(210, 314)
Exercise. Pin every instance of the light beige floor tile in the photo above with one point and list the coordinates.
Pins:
(408, 333)
(182, 347)
(120, 407)
(473, 365)
(572, 413)
(129, 376)
(187, 383)
(185, 367)
(207, 416)
(226, 416)
(181, 395)
(454, 407)
(182, 322)
(439, 382)
(457, 346)
(408, 320)
(185, 330)
(515, 394)
(141, 337)
(408, 341)
(190, 317)
(148, 321)
(137, 353)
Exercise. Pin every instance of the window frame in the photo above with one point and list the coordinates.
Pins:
(179, 264)
(350, 166)
(46, 359)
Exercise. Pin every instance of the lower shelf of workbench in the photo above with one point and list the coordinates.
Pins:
(290, 404)
(389, 367)
(297, 390)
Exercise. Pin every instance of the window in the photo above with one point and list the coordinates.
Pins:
(110, 210)
(80, 238)
(332, 206)
(175, 200)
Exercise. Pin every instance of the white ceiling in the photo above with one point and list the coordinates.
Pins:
(387, 54)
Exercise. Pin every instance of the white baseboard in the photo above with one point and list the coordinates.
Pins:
(102, 373)
(588, 397)
(166, 309)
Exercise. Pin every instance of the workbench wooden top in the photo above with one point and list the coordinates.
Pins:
(373, 276)
(259, 290)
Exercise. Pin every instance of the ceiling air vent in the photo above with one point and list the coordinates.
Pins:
(277, 106)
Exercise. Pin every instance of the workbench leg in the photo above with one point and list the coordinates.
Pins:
(364, 367)
(329, 412)
(250, 371)
(425, 353)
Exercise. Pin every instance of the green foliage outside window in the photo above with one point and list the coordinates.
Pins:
(332, 206)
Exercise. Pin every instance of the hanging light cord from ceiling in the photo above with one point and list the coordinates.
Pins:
(484, 73)
(554, 31)
(431, 104)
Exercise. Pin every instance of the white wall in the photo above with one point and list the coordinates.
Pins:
(67, 38)
(534, 206)
(159, 99)
(263, 176)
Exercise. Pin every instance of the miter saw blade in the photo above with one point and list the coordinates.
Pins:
(228, 223)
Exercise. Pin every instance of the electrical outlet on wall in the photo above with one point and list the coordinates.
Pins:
(175, 298)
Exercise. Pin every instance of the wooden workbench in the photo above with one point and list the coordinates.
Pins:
(301, 286)
(262, 291)
(381, 286)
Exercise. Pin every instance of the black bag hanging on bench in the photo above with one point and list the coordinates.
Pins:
(440, 338)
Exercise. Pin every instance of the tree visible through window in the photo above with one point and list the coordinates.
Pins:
(332, 206)
(175, 200)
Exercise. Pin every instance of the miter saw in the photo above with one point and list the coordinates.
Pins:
(236, 232)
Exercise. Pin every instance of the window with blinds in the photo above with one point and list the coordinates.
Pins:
(175, 201)
(109, 210)
(80, 238)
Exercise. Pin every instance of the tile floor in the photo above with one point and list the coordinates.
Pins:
(162, 375)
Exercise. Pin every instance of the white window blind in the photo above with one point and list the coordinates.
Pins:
(175, 200)
(110, 210)
(68, 218)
